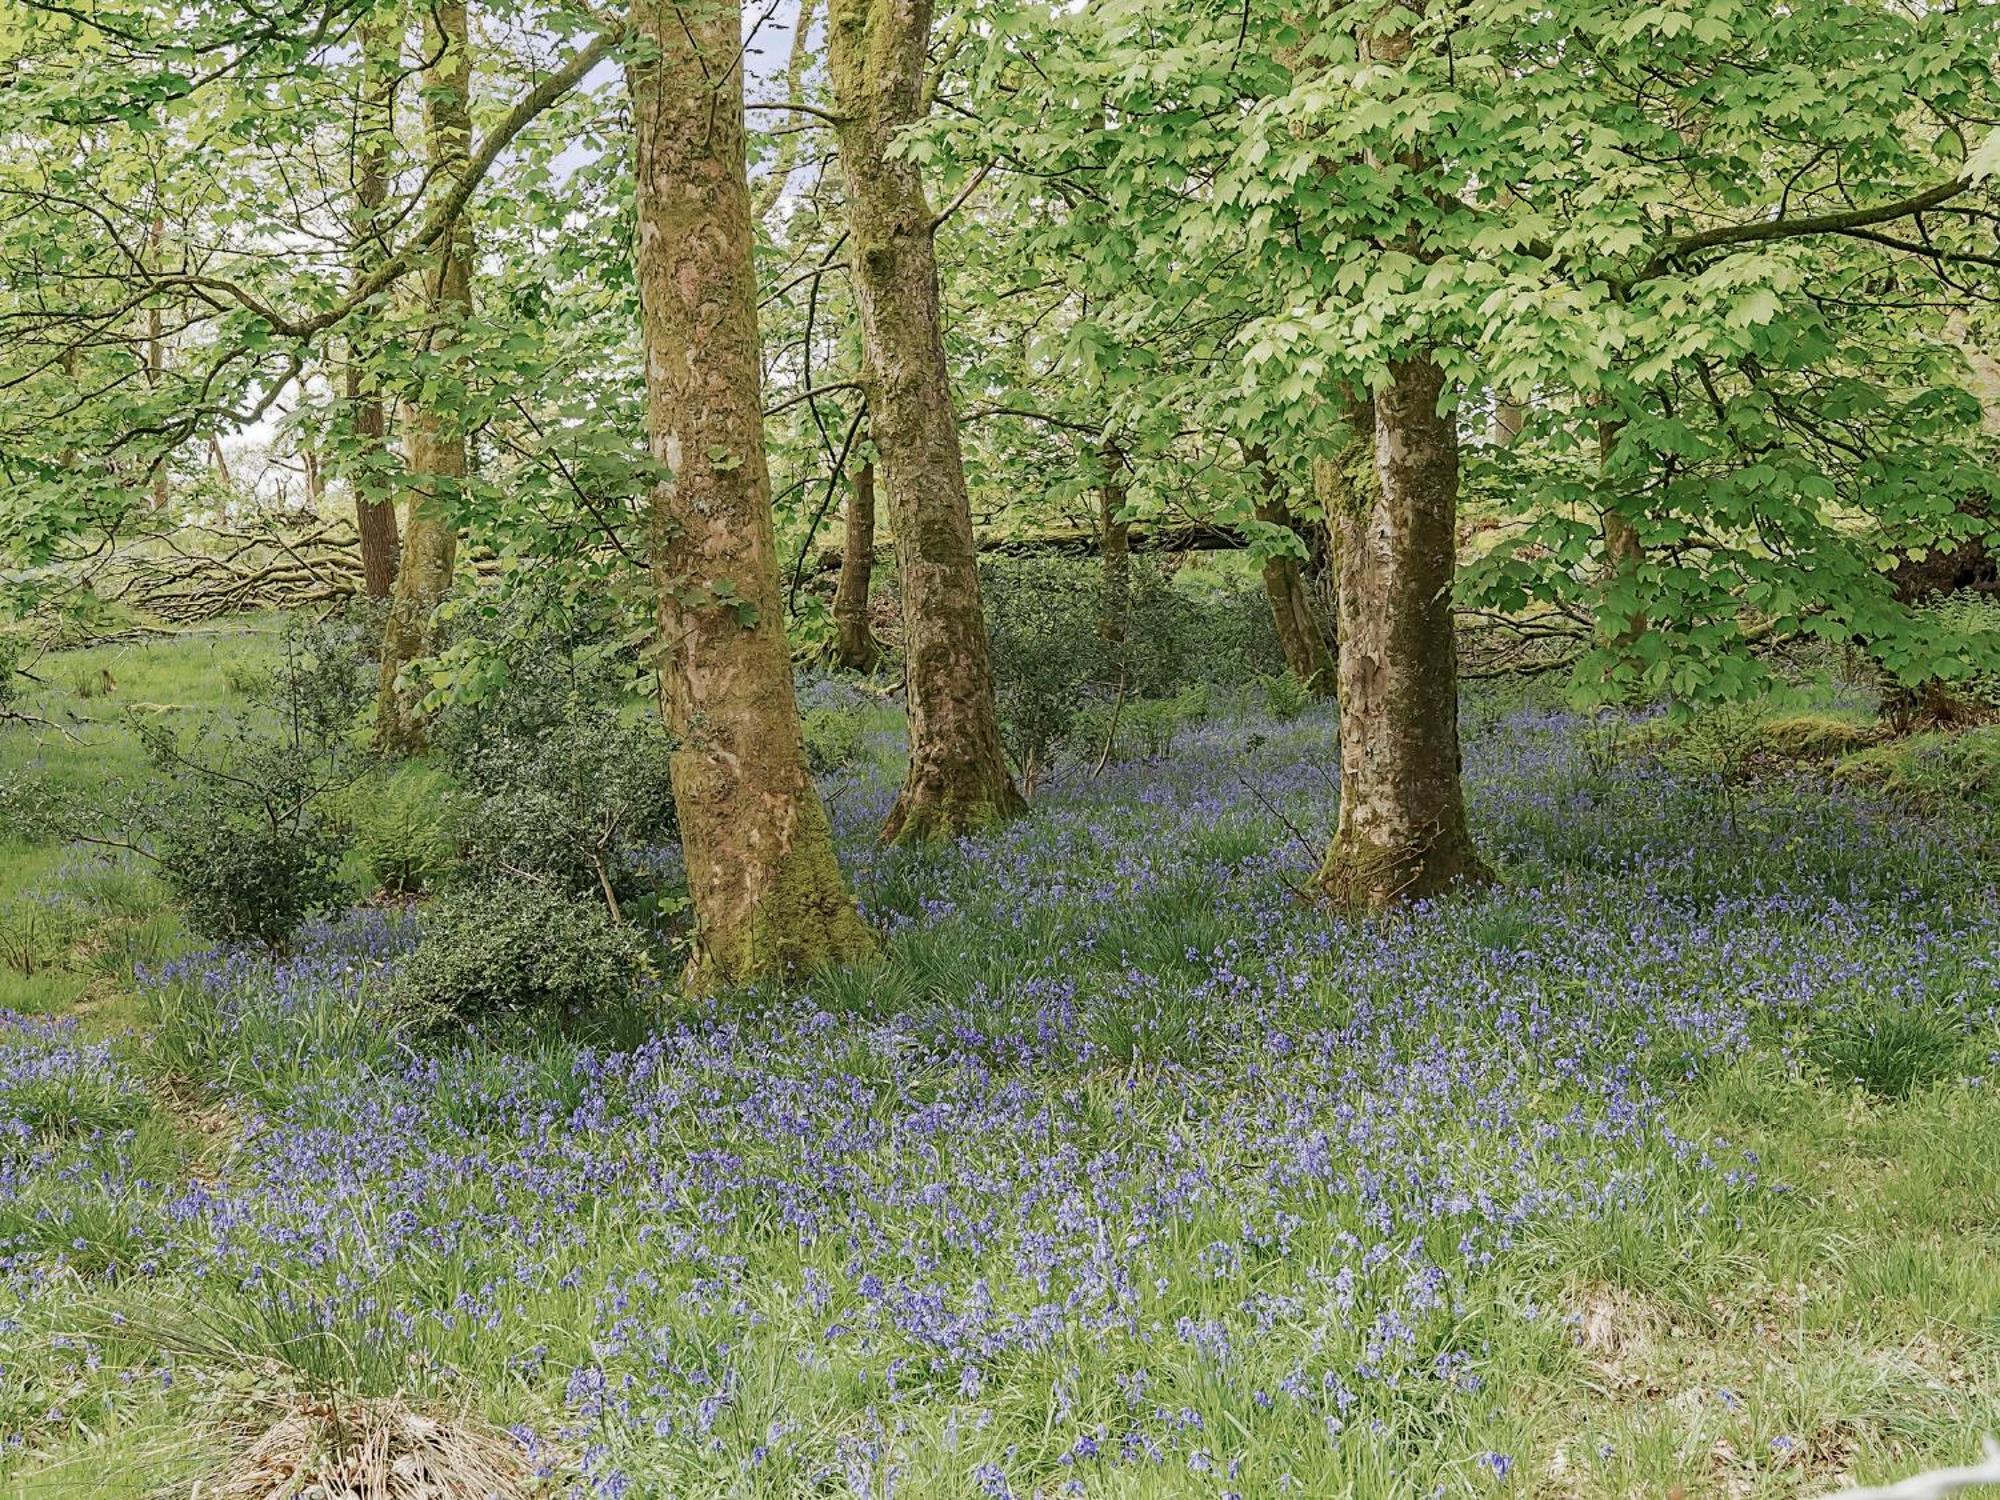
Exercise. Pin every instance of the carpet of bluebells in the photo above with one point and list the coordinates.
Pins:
(1127, 1172)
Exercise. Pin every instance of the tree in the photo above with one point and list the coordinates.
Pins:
(436, 441)
(854, 643)
(768, 894)
(958, 778)
(374, 140)
(1300, 634)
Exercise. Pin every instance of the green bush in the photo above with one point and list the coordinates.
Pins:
(1285, 697)
(833, 738)
(239, 818)
(517, 949)
(404, 827)
(566, 778)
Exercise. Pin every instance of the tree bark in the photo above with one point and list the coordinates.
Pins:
(436, 443)
(156, 361)
(854, 643)
(768, 894)
(1307, 655)
(958, 778)
(374, 517)
(1115, 542)
(1402, 834)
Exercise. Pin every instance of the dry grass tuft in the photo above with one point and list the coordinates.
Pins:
(321, 1449)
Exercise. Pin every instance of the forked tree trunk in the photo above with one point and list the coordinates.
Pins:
(436, 443)
(1300, 638)
(1115, 543)
(854, 643)
(1402, 834)
(374, 517)
(768, 894)
(958, 778)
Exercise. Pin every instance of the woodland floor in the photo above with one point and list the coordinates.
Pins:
(1671, 1162)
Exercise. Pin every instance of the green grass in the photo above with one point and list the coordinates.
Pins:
(1720, 1342)
(78, 960)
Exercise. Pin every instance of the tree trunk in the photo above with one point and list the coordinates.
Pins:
(854, 643)
(436, 444)
(1307, 655)
(958, 778)
(1115, 542)
(1624, 554)
(375, 134)
(1402, 834)
(768, 894)
(156, 362)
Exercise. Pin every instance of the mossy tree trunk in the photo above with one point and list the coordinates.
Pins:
(1402, 834)
(854, 643)
(1307, 655)
(436, 449)
(958, 778)
(768, 894)
(374, 137)
(1114, 543)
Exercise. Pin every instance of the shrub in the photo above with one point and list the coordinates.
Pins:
(833, 738)
(1717, 745)
(1285, 697)
(521, 949)
(405, 828)
(238, 877)
(567, 780)
(1049, 659)
(239, 818)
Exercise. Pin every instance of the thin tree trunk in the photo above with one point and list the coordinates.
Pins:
(1402, 834)
(768, 894)
(1623, 554)
(156, 363)
(854, 643)
(1307, 655)
(1115, 543)
(436, 444)
(375, 134)
(958, 778)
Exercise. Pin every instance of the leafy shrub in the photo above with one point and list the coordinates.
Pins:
(1049, 659)
(1056, 675)
(1285, 697)
(404, 828)
(517, 949)
(566, 779)
(1718, 745)
(579, 803)
(833, 738)
(238, 877)
(1892, 1053)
